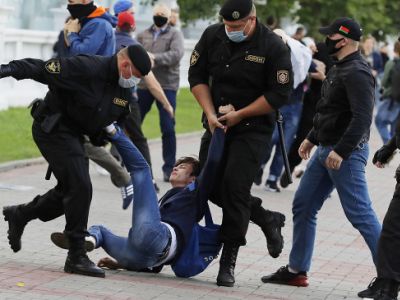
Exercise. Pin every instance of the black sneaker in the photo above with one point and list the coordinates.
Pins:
(258, 178)
(16, 226)
(272, 186)
(82, 265)
(283, 276)
(371, 290)
(60, 240)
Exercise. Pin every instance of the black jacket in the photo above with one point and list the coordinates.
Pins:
(344, 112)
(239, 73)
(84, 89)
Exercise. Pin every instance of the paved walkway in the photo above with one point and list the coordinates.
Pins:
(341, 265)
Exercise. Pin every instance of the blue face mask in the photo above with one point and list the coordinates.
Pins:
(128, 83)
(236, 36)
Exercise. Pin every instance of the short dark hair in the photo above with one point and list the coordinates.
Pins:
(397, 47)
(193, 161)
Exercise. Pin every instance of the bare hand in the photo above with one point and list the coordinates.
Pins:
(224, 109)
(108, 262)
(379, 165)
(72, 26)
(213, 123)
(333, 161)
(305, 149)
(170, 110)
(231, 118)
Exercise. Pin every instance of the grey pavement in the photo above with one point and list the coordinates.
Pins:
(341, 264)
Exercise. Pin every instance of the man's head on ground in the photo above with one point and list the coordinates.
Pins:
(161, 15)
(342, 37)
(123, 6)
(239, 18)
(126, 22)
(133, 62)
(185, 171)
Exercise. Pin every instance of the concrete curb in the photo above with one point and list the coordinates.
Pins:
(16, 164)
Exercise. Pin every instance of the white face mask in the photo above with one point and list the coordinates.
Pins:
(128, 83)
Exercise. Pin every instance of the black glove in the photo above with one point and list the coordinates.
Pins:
(5, 71)
(385, 153)
(100, 139)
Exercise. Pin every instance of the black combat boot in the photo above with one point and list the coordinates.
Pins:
(271, 224)
(17, 217)
(79, 263)
(227, 263)
(389, 290)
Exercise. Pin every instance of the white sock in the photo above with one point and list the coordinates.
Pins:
(292, 270)
(91, 239)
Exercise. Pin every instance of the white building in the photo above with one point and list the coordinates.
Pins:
(29, 28)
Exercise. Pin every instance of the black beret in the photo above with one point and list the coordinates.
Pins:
(233, 10)
(140, 59)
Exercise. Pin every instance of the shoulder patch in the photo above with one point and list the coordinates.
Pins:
(53, 67)
(282, 76)
(194, 58)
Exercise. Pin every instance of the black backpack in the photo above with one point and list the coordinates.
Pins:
(395, 80)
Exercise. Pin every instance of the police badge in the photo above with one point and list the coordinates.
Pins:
(194, 58)
(236, 15)
(282, 76)
(53, 67)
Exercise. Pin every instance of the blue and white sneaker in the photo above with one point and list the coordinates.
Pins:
(127, 195)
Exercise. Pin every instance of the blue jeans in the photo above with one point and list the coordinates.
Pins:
(148, 237)
(386, 117)
(167, 125)
(315, 186)
(291, 117)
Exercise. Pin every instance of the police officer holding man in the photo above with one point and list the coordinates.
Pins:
(86, 93)
(242, 63)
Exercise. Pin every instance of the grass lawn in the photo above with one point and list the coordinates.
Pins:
(16, 137)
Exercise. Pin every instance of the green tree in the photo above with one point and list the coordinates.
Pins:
(373, 15)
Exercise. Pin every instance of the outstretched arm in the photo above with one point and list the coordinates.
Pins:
(208, 174)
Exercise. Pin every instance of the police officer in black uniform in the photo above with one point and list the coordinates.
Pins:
(242, 63)
(86, 93)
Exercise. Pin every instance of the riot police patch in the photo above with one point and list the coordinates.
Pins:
(194, 58)
(53, 66)
(282, 76)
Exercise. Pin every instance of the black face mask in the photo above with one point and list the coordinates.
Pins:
(160, 21)
(80, 11)
(331, 45)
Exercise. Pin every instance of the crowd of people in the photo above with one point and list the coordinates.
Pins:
(104, 79)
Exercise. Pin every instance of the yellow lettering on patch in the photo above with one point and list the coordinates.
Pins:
(256, 59)
(53, 67)
(120, 102)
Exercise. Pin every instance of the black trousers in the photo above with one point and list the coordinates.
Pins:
(244, 150)
(388, 265)
(63, 150)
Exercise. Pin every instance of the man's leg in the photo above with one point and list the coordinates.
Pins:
(315, 186)
(352, 188)
(244, 154)
(167, 126)
(148, 237)
(146, 100)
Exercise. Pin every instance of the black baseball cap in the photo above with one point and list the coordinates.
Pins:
(233, 10)
(344, 26)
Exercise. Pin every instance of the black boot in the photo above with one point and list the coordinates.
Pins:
(389, 290)
(16, 224)
(81, 264)
(271, 224)
(227, 263)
